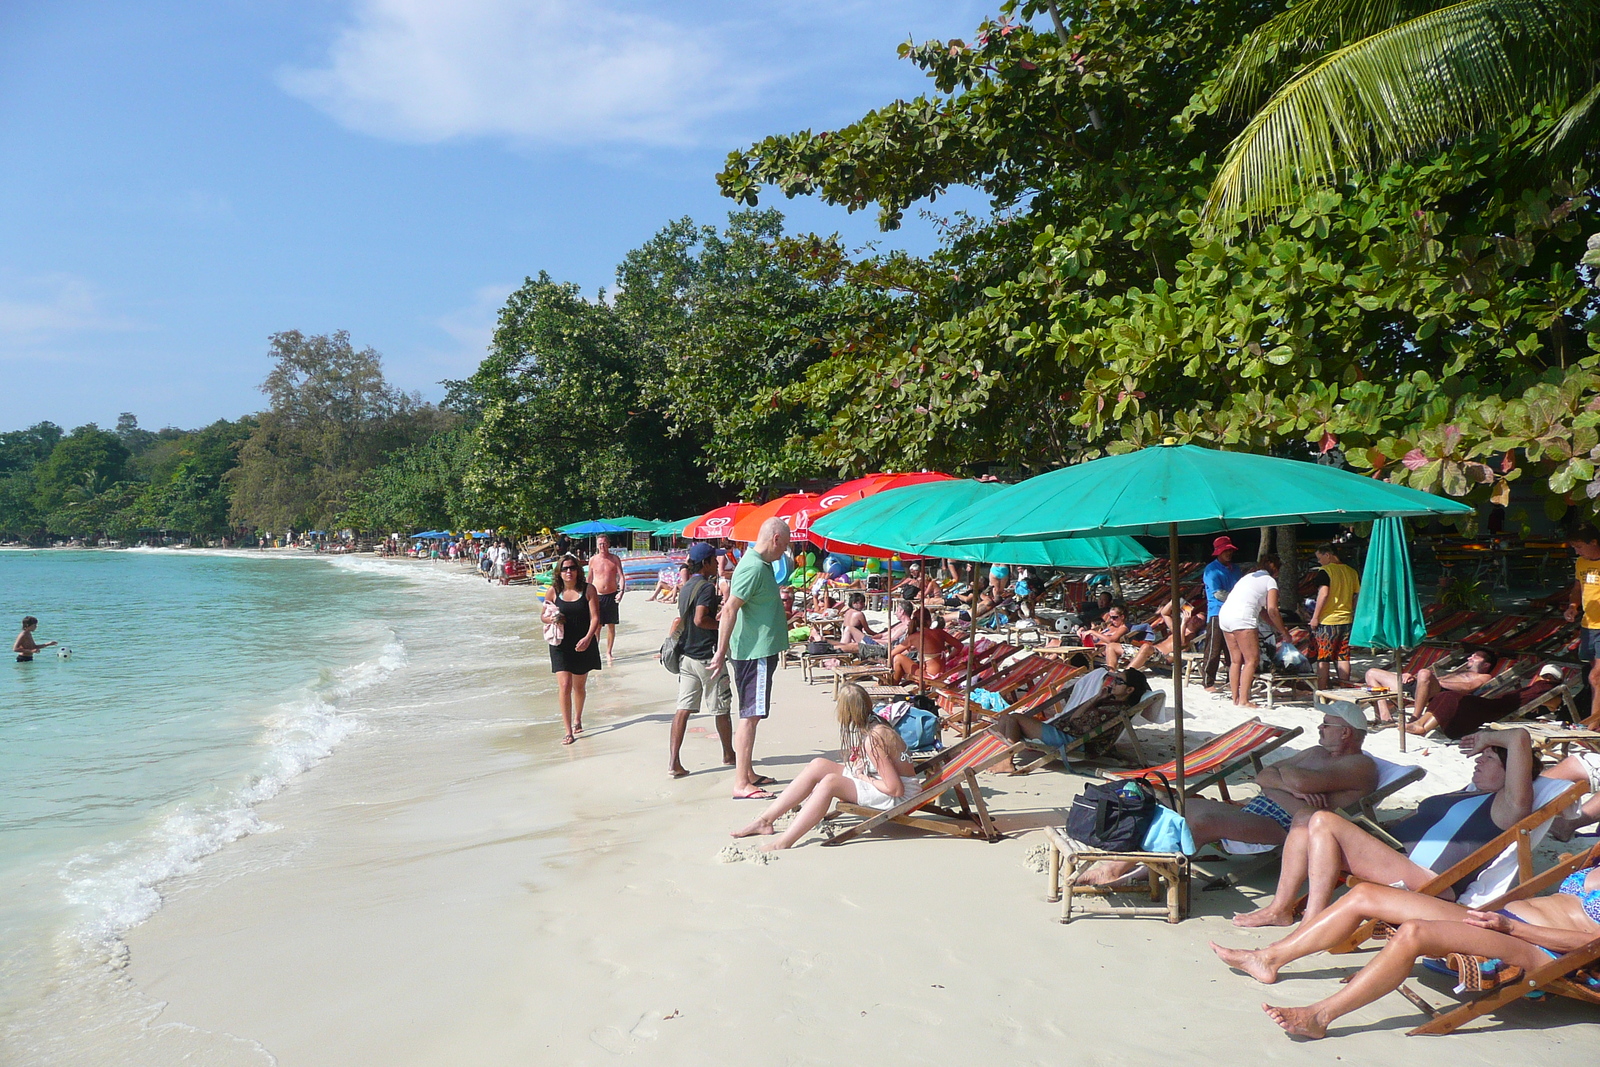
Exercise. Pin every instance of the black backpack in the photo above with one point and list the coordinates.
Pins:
(1114, 816)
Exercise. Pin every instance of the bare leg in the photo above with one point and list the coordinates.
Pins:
(834, 786)
(793, 795)
(1366, 901)
(1379, 679)
(1343, 667)
(580, 690)
(680, 724)
(725, 735)
(1337, 845)
(1392, 966)
(564, 701)
(1250, 651)
(1279, 911)
(1427, 686)
(611, 639)
(1235, 661)
(1593, 720)
(744, 751)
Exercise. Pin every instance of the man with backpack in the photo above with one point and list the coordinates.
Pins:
(698, 684)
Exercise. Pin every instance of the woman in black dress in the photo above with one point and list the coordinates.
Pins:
(577, 654)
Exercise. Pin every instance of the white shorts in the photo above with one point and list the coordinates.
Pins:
(870, 796)
(1591, 763)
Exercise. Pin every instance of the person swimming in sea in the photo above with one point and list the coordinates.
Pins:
(25, 646)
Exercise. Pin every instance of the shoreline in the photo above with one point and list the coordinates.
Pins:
(511, 899)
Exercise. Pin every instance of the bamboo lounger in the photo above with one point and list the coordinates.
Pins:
(954, 770)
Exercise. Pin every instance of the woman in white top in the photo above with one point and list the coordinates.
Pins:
(1253, 597)
(876, 773)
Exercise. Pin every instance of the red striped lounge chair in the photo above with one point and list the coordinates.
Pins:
(1223, 755)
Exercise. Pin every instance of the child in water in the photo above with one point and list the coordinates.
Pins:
(25, 646)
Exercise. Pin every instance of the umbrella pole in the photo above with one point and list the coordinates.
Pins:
(1400, 701)
(972, 651)
(1177, 657)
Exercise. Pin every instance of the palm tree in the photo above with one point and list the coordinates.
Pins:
(1357, 84)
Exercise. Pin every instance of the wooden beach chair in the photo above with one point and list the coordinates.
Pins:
(1509, 857)
(955, 770)
(1115, 726)
(1574, 974)
(1223, 755)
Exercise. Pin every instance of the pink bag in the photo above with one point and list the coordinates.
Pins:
(555, 630)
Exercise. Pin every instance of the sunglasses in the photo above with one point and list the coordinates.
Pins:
(565, 570)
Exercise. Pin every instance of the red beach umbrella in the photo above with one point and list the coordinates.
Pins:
(718, 523)
(859, 488)
(797, 509)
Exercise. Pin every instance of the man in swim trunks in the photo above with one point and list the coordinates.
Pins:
(1478, 669)
(1337, 586)
(25, 646)
(856, 635)
(1327, 776)
(605, 572)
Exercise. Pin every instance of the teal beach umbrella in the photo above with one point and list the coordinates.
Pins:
(674, 528)
(904, 519)
(1174, 489)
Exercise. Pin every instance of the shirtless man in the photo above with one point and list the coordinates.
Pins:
(605, 571)
(1325, 777)
(856, 635)
(25, 646)
(1478, 669)
(920, 588)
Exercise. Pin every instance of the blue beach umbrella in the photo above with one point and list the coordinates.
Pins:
(593, 527)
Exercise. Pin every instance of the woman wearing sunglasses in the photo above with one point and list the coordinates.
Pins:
(577, 654)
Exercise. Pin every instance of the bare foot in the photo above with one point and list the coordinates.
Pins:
(1267, 916)
(1562, 828)
(759, 828)
(678, 772)
(773, 846)
(1247, 960)
(1297, 1022)
(1250, 705)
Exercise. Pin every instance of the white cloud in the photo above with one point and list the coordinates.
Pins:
(472, 326)
(528, 70)
(44, 308)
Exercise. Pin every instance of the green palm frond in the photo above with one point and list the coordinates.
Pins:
(1576, 129)
(1305, 31)
(1440, 75)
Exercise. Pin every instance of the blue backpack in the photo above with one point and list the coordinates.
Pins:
(918, 728)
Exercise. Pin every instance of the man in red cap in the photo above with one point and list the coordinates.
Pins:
(1220, 575)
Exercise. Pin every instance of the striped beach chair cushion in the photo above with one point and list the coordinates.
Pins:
(1220, 751)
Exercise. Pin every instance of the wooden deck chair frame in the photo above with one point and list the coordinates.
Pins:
(1114, 726)
(953, 771)
(1163, 868)
(1519, 834)
(1219, 775)
(1552, 977)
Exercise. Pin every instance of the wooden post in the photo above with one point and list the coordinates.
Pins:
(1177, 657)
(1399, 701)
(972, 652)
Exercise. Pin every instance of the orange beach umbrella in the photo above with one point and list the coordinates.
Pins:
(858, 489)
(797, 509)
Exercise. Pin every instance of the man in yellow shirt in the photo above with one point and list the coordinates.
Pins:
(1337, 586)
(1585, 542)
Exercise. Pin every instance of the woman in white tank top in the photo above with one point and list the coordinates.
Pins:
(1252, 597)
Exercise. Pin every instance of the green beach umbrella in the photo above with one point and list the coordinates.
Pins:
(674, 528)
(1388, 614)
(903, 520)
(633, 522)
(1174, 489)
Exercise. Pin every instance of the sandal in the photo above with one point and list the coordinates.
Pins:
(568, 739)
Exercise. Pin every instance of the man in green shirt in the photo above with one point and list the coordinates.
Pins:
(752, 632)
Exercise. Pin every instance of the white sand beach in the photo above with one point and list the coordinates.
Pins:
(499, 899)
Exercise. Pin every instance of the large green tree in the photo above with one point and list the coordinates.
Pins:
(332, 417)
(568, 428)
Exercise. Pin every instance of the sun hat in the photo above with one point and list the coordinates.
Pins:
(1347, 713)
(1221, 545)
(1550, 671)
(701, 551)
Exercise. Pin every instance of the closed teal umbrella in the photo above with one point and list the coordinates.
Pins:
(1388, 614)
(904, 519)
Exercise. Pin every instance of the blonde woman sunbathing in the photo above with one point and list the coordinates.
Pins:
(877, 773)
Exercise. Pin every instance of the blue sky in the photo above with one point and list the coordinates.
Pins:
(183, 179)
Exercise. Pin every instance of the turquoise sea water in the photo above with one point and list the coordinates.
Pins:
(199, 684)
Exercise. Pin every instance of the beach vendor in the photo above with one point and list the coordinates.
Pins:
(752, 633)
(1334, 613)
(605, 574)
(698, 686)
(1585, 601)
(25, 645)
